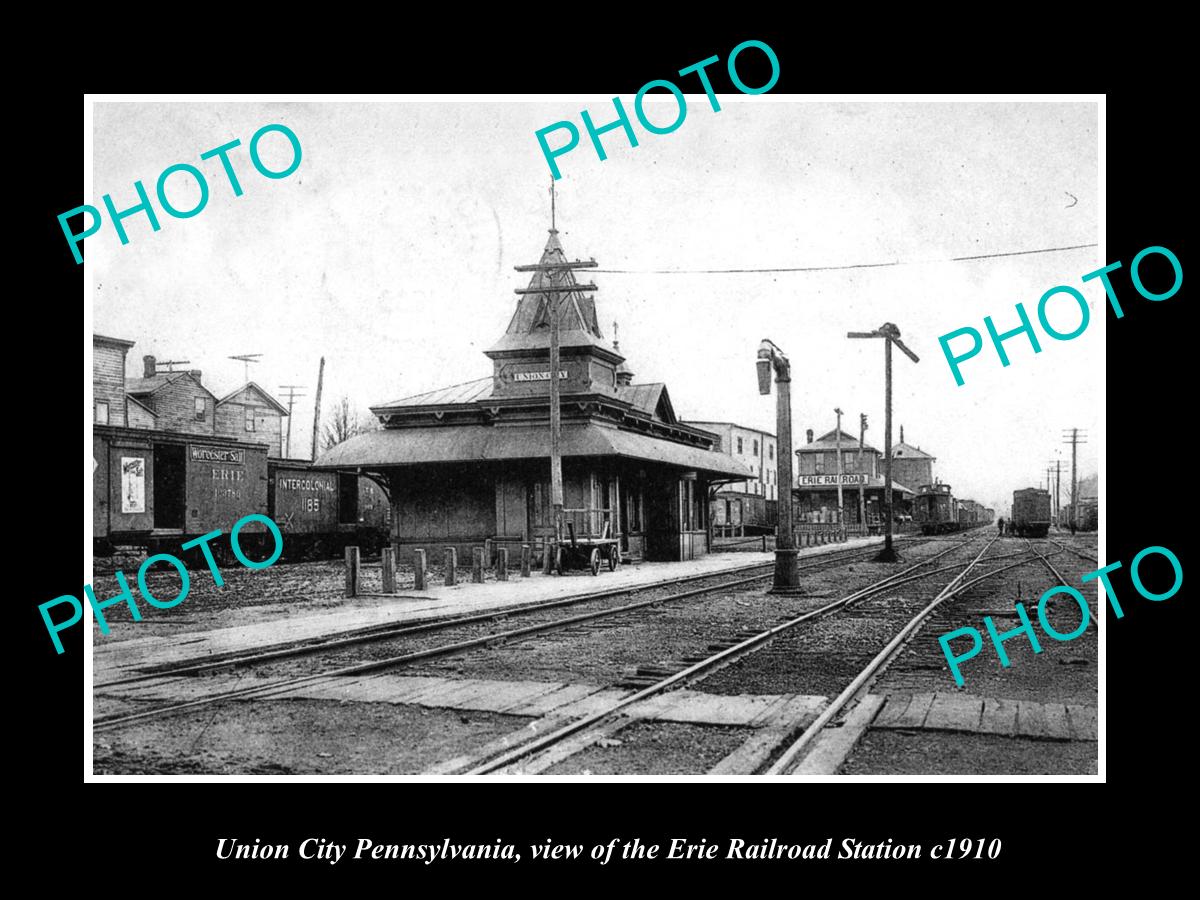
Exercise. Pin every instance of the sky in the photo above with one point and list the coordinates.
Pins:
(390, 252)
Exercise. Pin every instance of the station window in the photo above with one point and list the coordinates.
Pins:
(201, 407)
(249, 418)
(819, 463)
(739, 443)
(756, 448)
(771, 451)
(101, 412)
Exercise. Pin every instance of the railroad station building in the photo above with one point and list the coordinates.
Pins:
(471, 463)
(817, 475)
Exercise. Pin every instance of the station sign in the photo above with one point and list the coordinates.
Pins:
(538, 376)
(832, 480)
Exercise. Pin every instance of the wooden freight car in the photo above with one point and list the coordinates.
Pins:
(159, 489)
(934, 509)
(321, 513)
(1031, 512)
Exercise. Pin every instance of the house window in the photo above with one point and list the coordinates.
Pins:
(200, 408)
(818, 463)
(756, 448)
(101, 412)
(739, 446)
(249, 418)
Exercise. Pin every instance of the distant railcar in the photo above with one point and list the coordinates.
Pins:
(1031, 512)
(934, 509)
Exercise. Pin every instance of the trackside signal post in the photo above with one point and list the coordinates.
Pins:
(891, 335)
(771, 358)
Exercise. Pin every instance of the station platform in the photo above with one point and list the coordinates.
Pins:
(267, 627)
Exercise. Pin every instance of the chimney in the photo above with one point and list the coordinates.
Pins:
(808, 434)
(195, 373)
(902, 434)
(148, 366)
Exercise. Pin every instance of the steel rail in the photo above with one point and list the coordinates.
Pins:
(282, 686)
(705, 666)
(889, 652)
(381, 633)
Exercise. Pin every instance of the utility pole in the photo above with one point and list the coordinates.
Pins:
(1075, 439)
(838, 446)
(317, 408)
(561, 282)
(771, 358)
(293, 391)
(891, 335)
(862, 500)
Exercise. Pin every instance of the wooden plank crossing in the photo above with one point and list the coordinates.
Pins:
(988, 715)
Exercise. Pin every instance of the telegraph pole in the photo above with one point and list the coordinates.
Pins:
(862, 500)
(293, 392)
(317, 408)
(561, 282)
(891, 335)
(1075, 439)
(838, 445)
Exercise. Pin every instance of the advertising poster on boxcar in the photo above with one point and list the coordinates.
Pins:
(133, 484)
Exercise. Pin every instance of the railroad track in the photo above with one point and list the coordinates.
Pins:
(510, 760)
(263, 691)
(719, 660)
(861, 683)
(1085, 556)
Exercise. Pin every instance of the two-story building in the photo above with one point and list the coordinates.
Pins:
(744, 506)
(178, 401)
(861, 477)
(911, 466)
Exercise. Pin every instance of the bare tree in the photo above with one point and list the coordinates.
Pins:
(344, 421)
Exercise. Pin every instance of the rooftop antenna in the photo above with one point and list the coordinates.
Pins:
(171, 363)
(245, 359)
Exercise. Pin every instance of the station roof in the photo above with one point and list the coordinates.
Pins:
(477, 443)
(908, 451)
(529, 328)
(828, 444)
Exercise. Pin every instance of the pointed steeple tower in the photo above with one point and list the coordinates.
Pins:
(522, 355)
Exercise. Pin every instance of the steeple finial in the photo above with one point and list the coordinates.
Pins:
(553, 227)
(616, 337)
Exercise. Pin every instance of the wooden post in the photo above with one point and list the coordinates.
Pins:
(451, 565)
(546, 557)
(487, 552)
(353, 571)
(389, 570)
(317, 411)
(502, 564)
(477, 565)
(420, 575)
(524, 560)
